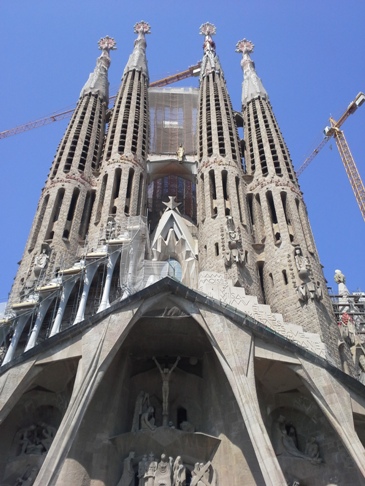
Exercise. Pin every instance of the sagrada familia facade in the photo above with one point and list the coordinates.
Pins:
(170, 323)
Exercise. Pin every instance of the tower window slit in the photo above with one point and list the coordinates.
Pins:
(139, 197)
(55, 213)
(285, 277)
(86, 214)
(213, 194)
(273, 216)
(260, 270)
(71, 213)
(129, 191)
(216, 247)
(225, 192)
(238, 194)
(101, 198)
(39, 223)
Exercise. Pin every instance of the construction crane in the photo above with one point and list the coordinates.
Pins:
(348, 161)
(191, 71)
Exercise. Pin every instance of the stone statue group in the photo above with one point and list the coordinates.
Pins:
(166, 472)
(37, 438)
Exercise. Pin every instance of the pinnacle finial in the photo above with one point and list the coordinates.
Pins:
(107, 44)
(207, 29)
(245, 46)
(142, 27)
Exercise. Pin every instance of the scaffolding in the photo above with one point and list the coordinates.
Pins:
(173, 120)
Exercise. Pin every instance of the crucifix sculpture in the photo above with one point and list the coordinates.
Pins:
(165, 375)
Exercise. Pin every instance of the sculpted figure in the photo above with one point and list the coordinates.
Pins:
(40, 262)
(187, 426)
(147, 420)
(339, 277)
(141, 406)
(142, 470)
(151, 471)
(288, 443)
(347, 329)
(28, 477)
(127, 478)
(48, 433)
(179, 472)
(312, 448)
(165, 375)
(163, 472)
(301, 263)
(31, 442)
(201, 474)
(180, 153)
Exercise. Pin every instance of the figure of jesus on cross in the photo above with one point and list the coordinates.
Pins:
(165, 375)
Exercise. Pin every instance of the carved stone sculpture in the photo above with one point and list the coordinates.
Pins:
(151, 471)
(142, 470)
(179, 472)
(203, 475)
(141, 406)
(37, 439)
(288, 443)
(180, 153)
(127, 478)
(165, 375)
(234, 244)
(301, 263)
(312, 448)
(307, 290)
(147, 420)
(40, 262)
(28, 477)
(163, 472)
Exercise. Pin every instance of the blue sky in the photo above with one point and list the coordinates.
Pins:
(309, 54)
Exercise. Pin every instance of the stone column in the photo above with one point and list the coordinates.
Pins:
(43, 308)
(19, 326)
(89, 275)
(112, 260)
(67, 288)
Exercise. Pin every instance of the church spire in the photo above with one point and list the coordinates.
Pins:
(210, 62)
(98, 79)
(137, 60)
(224, 239)
(252, 86)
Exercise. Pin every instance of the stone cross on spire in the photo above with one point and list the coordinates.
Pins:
(98, 79)
(252, 86)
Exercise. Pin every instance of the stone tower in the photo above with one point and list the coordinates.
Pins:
(221, 189)
(142, 345)
(290, 271)
(63, 212)
(122, 180)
